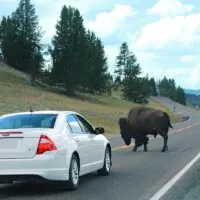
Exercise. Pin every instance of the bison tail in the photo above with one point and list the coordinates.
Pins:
(169, 123)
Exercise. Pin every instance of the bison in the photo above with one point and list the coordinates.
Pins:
(142, 121)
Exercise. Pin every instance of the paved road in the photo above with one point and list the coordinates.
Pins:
(188, 187)
(135, 175)
(180, 109)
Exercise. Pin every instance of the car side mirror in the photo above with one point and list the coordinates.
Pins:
(99, 130)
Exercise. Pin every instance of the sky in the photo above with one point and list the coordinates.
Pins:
(163, 34)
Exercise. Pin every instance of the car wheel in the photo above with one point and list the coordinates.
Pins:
(107, 163)
(73, 182)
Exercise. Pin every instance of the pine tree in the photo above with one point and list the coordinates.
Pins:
(131, 86)
(8, 40)
(2, 36)
(60, 50)
(153, 88)
(99, 67)
(28, 34)
(144, 91)
(94, 74)
(121, 61)
(35, 64)
(163, 86)
(172, 89)
(79, 61)
(89, 62)
(20, 37)
(181, 97)
(68, 49)
(127, 72)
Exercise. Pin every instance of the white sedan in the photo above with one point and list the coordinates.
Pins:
(51, 145)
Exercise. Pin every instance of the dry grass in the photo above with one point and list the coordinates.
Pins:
(100, 110)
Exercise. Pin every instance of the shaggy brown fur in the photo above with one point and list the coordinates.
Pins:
(142, 121)
(125, 132)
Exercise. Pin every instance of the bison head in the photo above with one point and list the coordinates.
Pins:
(125, 131)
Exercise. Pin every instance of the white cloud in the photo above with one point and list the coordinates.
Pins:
(83, 6)
(106, 23)
(54, 7)
(170, 8)
(146, 59)
(194, 79)
(43, 2)
(181, 29)
(112, 52)
(7, 1)
(178, 71)
(187, 59)
(188, 77)
(48, 25)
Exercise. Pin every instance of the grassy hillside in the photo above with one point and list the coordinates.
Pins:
(100, 110)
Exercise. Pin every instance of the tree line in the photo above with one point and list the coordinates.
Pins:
(168, 88)
(193, 99)
(79, 61)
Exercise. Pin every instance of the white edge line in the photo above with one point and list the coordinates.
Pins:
(170, 183)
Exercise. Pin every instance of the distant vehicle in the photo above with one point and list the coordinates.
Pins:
(51, 145)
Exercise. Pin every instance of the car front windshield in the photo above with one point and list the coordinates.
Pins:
(28, 121)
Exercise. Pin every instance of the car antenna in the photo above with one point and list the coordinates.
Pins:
(31, 110)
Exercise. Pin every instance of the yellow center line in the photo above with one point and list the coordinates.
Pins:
(123, 147)
(176, 131)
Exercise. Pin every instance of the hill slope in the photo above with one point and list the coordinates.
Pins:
(15, 95)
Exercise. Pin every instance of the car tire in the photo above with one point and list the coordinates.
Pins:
(73, 182)
(107, 163)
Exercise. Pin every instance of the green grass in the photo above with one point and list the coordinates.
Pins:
(104, 110)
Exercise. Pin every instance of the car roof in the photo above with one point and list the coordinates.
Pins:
(41, 112)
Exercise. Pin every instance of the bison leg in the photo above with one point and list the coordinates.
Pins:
(137, 144)
(146, 139)
(141, 141)
(165, 147)
(145, 147)
(135, 148)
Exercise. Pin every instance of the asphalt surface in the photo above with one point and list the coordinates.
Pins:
(135, 175)
(188, 187)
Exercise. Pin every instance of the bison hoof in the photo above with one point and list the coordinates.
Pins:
(145, 149)
(135, 149)
(164, 149)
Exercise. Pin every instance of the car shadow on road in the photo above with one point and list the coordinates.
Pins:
(42, 189)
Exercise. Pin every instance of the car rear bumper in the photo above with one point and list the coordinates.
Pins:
(37, 175)
(42, 167)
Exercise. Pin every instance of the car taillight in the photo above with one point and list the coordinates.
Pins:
(45, 144)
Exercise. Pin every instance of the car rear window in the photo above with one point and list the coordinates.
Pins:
(28, 121)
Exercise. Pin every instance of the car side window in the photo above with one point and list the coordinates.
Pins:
(73, 124)
(85, 125)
